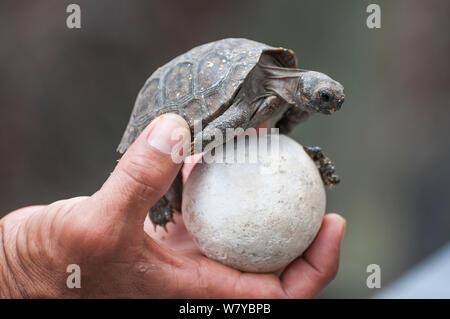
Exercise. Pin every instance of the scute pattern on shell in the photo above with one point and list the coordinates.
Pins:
(198, 85)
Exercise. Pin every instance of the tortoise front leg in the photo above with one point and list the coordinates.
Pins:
(241, 114)
(326, 167)
(290, 119)
(236, 116)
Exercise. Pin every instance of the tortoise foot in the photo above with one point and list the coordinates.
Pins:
(326, 166)
(162, 213)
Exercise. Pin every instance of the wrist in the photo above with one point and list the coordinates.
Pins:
(29, 271)
(8, 283)
(19, 277)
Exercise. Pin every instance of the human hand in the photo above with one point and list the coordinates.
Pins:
(105, 235)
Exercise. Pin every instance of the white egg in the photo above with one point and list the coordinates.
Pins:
(256, 216)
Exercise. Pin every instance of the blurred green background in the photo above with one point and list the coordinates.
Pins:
(66, 96)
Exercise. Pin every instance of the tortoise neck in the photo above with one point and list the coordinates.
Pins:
(284, 82)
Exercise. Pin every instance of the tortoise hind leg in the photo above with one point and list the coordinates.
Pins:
(162, 212)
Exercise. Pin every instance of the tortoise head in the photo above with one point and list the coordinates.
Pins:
(318, 93)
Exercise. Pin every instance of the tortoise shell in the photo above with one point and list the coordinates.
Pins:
(200, 84)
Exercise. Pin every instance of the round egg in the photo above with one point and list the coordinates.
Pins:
(253, 207)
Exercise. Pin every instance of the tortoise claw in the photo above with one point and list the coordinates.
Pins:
(326, 166)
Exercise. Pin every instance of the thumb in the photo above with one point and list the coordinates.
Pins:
(146, 171)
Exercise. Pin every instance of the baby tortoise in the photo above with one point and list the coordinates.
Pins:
(232, 83)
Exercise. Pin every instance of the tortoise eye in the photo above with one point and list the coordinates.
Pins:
(325, 96)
